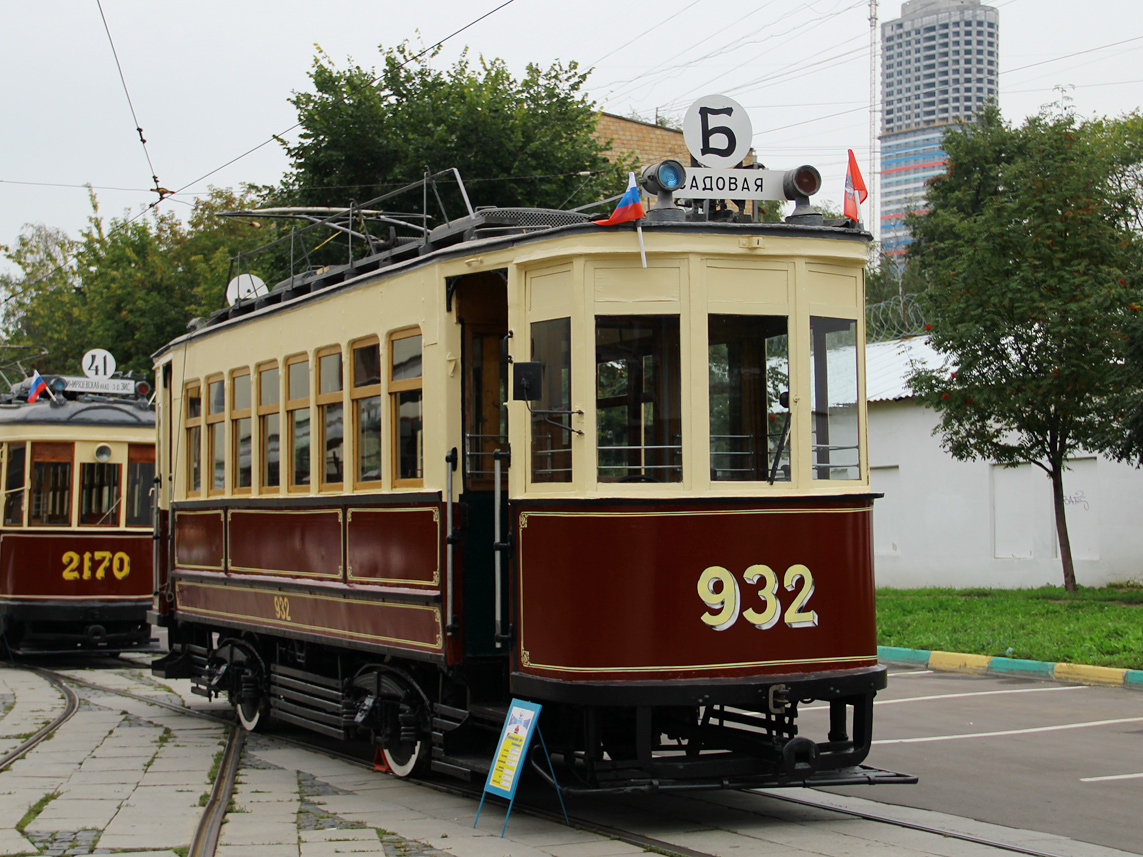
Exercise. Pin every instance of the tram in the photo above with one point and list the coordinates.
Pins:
(620, 471)
(76, 545)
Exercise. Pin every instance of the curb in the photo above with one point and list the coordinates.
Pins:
(988, 665)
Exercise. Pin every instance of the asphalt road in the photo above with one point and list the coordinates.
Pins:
(1043, 756)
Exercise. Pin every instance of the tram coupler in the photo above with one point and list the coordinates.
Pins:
(777, 698)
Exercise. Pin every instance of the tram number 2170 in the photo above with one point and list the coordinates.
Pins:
(720, 592)
(95, 564)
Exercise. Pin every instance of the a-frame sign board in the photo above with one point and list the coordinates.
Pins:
(512, 749)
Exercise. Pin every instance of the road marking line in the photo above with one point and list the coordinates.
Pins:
(910, 673)
(944, 696)
(979, 693)
(1115, 777)
(1010, 731)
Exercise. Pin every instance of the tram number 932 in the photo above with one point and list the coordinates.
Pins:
(720, 592)
(95, 564)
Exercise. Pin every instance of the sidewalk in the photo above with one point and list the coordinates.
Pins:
(995, 665)
(126, 776)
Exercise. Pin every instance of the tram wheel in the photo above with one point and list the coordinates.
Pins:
(253, 713)
(398, 716)
(404, 757)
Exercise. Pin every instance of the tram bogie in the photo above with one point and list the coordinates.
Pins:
(620, 474)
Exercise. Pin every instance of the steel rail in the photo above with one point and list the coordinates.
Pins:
(71, 706)
(885, 818)
(204, 843)
(584, 824)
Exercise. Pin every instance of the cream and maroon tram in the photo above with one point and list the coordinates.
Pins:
(506, 457)
(76, 537)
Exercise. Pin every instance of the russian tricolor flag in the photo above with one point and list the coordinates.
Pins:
(630, 206)
(39, 385)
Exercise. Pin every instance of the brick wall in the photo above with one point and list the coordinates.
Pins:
(650, 143)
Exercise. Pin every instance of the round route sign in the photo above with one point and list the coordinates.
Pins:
(98, 363)
(717, 131)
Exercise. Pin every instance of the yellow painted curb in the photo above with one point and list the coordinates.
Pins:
(1089, 675)
(958, 662)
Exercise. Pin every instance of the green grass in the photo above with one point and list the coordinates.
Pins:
(1100, 627)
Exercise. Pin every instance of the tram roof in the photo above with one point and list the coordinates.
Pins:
(465, 236)
(92, 410)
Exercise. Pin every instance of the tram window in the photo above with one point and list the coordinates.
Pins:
(366, 395)
(140, 480)
(749, 368)
(638, 406)
(330, 417)
(193, 411)
(241, 434)
(216, 434)
(298, 420)
(405, 391)
(14, 486)
(269, 426)
(833, 391)
(551, 436)
(50, 502)
(99, 494)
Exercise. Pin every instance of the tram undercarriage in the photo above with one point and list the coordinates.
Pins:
(423, 718)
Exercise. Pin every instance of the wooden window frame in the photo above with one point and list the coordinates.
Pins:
(395, 389)
(356, 394)
(321, 402)
(289, 407)
(52, 452)
(234, 417)
(11, 491)
(272, 408)
(210, 420)
(193, 426)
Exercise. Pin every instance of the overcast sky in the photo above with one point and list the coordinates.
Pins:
(209, 80)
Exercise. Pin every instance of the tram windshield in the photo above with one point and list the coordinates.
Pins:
(638, 400)
(833, 387)
(749, 364)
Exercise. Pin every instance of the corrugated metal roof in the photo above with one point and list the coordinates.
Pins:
(888, 364)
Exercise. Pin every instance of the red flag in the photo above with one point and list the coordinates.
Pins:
(855, 191)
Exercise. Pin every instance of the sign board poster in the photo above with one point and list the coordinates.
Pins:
(512, 748)
(511, 751)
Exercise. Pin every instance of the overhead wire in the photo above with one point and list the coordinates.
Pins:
(123, 79)
(297, 124)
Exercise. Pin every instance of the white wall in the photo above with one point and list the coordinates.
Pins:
(944, 522)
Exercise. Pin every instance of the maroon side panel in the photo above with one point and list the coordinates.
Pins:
(200, 539)
(329, 614)
(76, 565)
(290, 542)
(394, 545)
(621, 592)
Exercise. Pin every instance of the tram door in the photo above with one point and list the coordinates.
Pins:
(482, 310)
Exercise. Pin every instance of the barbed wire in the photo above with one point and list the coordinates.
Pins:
(893, 319)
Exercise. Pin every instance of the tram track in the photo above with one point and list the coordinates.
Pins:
(206, 834)
(71, 706)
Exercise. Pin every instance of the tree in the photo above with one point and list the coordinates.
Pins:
(42, 306)
(129, 286)
(1031, 267)
(526, 142)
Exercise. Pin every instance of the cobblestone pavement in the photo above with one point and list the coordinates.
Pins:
(126, 776)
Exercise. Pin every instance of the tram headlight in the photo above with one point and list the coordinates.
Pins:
(803, 181)
(664, 177)
(799, 185)
(103, 453)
